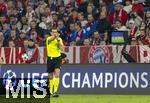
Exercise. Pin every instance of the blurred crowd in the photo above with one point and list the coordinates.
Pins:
(79, 22)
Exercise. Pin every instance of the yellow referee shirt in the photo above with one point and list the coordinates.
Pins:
(52, 47)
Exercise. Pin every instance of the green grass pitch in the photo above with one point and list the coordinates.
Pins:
(83, 99)
(101, 99)
(3, 99)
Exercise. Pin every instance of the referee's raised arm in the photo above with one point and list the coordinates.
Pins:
(51, 38)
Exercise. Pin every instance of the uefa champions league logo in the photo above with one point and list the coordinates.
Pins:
(9, 77)
(15, 85)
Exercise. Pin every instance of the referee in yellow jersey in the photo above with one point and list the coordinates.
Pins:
(54, 47)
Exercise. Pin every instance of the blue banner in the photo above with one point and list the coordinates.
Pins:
(91, 79)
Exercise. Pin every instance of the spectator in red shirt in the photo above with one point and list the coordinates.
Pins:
(21, 38)
(138, 7)
(119, 14)
(79, 2)
(32, 53)
(143, 38)
(3, 8)
(134, 32)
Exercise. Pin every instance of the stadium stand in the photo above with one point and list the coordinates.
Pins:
(78, 21)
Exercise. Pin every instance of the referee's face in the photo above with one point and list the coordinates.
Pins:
(54, 32)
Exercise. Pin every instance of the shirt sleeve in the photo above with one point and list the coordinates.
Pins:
(61, 41)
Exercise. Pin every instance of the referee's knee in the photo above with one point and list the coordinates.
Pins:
(57, 73)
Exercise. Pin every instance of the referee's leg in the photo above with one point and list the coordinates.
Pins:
(51, 82)
(57, 80)
(50, 70)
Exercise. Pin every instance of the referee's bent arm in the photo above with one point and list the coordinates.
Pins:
(51, 39)
(60, 44)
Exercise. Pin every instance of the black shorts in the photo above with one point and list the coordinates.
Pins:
(53, 63)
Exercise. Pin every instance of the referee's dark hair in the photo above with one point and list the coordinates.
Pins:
(53, 28)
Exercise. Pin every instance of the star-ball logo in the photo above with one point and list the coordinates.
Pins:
(14, 85)
(9, 77)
